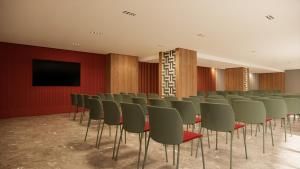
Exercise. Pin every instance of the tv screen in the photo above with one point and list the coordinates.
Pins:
(55, 73)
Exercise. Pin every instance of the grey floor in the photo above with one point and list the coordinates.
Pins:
(56, 142)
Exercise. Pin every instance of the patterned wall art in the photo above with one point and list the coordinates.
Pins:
(169, 73)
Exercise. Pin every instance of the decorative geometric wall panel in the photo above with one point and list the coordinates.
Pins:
(169, 73)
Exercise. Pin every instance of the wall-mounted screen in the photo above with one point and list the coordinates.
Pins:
(55, 73)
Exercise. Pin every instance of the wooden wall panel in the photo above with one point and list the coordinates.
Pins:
(272, 81)
(148, 77)
(206, 79)
(123, 73)
(236, 79)
(186, 72)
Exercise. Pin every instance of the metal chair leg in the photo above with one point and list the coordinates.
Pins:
(203, 162)
(226, 137)
(140, 149)
(115, 141)
(208, 138)
(166, 152)
(216, 140)
(116, 158)
(231, 138)
(75, 113)
(284, 129)
(98, 129)
(192, 142)
(245, 137)
(271, 134)
(178, 153)
(173, 154)
(146, 151)
(263, 137)
(251, 129)
(100, 135)
(290, 125)
(87, 129)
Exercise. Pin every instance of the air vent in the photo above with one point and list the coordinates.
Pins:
(129, 13)
(270, 17)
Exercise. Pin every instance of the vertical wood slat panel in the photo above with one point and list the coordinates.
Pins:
(206, 79)
(272, 81)
(148, 77)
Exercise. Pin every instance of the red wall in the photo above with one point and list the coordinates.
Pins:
(206, 79)
(17, 95)
(148, 77)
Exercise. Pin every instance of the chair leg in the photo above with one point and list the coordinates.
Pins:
(178, 153)
(87, 129)
(245, 144)
(116, 158)
(197, 147)
(203, 162)
(99, 141)
(226, 137)
(98, 129)
(284, 129)
(146, 151)
(208, 138)
(173, 154)
(125, 137)
(74, 118)
(166, 152)
(290, 124)
(192, 142)
(251, 129)
(81, 117)
(216, 140)
(140, 149)
(263, 137)
(271, 133)
(115, 141)
(238, 133)
(109, 128)
(231, 138)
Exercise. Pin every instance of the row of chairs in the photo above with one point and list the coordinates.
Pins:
(215, 113)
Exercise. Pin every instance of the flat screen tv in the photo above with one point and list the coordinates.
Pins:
(55, 73)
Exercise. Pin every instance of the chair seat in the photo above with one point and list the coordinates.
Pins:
(147, 127)
(268, 119)
(187, 136)
(198, 120)
(237, 126)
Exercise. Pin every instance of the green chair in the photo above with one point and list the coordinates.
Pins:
(74, 102)
(109, 96)
(102, 95)
(159, 103)
(132, 94)
(214, 96)
(127, 98)
(143, 95)
(96, 97)
(277, 109)
(96, 113)
(153, 96)
(201, 98)
(169, 132)
(214, 100)
(220, 118)
(86, 102)
(201, 93)
(133, 122)
(293, 107)
(118, 98)
(142, 102)
(251, 112)
(112, 117)
(171, 98)
(81, 105)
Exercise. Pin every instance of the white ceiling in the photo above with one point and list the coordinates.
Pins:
(236, 32)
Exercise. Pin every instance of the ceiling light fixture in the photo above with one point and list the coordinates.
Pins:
(270, 17)
(96, 33)
(201, 35)
(129, 13)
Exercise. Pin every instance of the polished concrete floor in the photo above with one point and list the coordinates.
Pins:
(56, 142)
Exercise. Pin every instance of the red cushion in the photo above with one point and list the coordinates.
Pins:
(268, 119)
(198, 119)
(121, 120)
(237, 126)
(147, 127)
(187, 136)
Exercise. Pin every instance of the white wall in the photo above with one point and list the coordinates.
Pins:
(253, 81)
(220, 83)
(292, 80)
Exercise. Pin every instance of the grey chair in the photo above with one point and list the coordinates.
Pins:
(293, 107)
(109, 96)
(171, 98)
(102, 95)
(159, 103)
(153, 96)
(118, 98)
(127, 98)
(74, 102)
(81, 105)
(215, 100)
(142, 102)
(169, 132)
(143, 95)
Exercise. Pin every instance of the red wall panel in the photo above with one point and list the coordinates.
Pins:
(206, 79)
(19, 98)
(148, 77)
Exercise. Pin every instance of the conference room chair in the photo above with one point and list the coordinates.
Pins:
(214, 96)
(133, 122)
(216, 100)
(201, 93)
(96, 113)
(112, 117)
(170, 98)
(171, 132)
(74, 102)
(109, 96)
(102, 95)
(81, 106)
(118, 98)
(220, 118)
(251, 112)
(132, 94)
(86, 102)
(142, 102)
(143, 95)
(201, 98)
(153, 96)
(188, 115)
(277, 109)
(159, 103)
(293, 107)
(127, 98)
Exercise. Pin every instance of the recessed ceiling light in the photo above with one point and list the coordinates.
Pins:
(201, 35)
(75, 44)
(270, 17)
(129, 13)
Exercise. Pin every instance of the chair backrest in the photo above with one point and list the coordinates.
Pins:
(96, 109)
(118, 98)
(86, 101)
(201, 93)
(133, 117)
(196, 103)
(102, 95)
(217, 117)
(80, 100)
(132, 94)
(238, 98)
(201, 98)
(126, 98)
(109, 96)
(186, 110)
(112, 113)
(276, 108)
(74, 99)
(96, 97)
(142, 102)
(293, 105)
(159, 103)
(248, 111)
(143, 95)
(171, 98)
(153, 96)
(214, 96)
(213, 100)
(166, 125)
